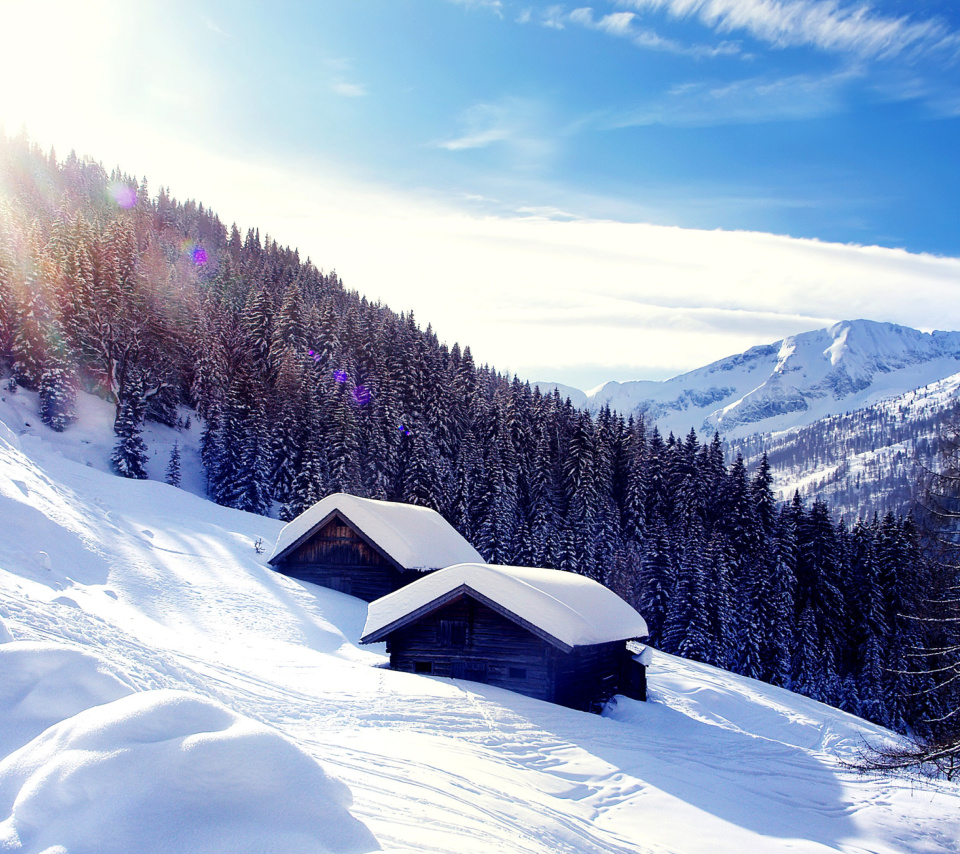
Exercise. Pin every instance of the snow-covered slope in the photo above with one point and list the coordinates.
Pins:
(789, 383)
(868, 461)
(163, 690)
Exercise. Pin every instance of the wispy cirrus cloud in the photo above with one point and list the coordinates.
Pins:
(552, 17)
(749, 101)
(827, 25)
(347, 89)
(514, 123)
(625, 25)
(342, 79)
(495, 6)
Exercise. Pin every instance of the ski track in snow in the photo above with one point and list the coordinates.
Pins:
(168, 590)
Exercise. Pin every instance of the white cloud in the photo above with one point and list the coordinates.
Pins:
(215, 28)
(553, 17)
(624, 25)
(348, 90)
(515, 123)
(757, 99)
(495, 6)
(824, 24)
(616, 23)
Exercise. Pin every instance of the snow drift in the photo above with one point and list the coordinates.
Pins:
(42, 684)
(165, 771)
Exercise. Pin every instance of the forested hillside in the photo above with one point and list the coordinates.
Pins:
(302, 387)
(863, 462)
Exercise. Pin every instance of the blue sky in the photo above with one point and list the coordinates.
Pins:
(579, 192)
(829, 120)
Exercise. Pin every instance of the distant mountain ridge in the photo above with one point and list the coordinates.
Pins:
(789, 383)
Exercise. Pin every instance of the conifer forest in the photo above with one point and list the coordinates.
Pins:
(301, 387)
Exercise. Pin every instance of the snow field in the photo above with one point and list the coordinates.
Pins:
(172, 693)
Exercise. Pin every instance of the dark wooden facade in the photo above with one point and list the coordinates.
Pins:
(470, 639)
(339, 557)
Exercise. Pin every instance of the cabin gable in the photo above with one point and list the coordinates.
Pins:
(465, 639)
(335, 554)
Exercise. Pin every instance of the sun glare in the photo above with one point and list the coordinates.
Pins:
(55, 61)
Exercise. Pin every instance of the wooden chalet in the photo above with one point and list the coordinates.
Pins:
(367, 548)
(552, 635)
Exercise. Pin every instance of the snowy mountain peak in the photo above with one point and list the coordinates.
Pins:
(789, 383)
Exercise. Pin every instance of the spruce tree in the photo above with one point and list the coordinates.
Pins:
(129, 457)
(29, 339)
(58, 380)
(173, 467)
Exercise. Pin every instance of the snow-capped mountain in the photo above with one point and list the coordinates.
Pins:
(790, 383)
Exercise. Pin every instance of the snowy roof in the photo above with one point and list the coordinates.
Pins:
(563, 608)
(415, 537)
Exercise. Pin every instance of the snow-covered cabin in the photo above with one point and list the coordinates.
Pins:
(367, 548)
(551, 635)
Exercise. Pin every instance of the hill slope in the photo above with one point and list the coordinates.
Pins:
(143, 620)
(862, 462)
(789, 383)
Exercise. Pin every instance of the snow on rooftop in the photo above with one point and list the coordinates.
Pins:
(415, 537)
(575, 610)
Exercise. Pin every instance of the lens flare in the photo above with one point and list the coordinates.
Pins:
(194, 251)
(340, 376)
(123, 194)
(361, 395)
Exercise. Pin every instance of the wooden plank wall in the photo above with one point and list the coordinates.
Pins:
(337, 557)
(589, 676)
(491, 640)
(582, 679)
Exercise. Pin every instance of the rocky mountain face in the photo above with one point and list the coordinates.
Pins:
(790, 383)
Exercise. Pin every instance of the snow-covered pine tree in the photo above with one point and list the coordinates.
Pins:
(58, 382)
(129, 457)
(29, 340)
(173, 467)
(8, 314)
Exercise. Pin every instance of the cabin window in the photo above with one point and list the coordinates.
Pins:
(518, 672)
(452, 633)
(423, 667)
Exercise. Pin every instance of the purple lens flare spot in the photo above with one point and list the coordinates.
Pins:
(361, 395)
(340, 376)
(123, 194)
